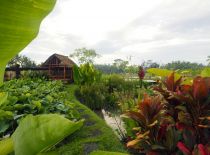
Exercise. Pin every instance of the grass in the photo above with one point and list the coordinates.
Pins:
(94, 135)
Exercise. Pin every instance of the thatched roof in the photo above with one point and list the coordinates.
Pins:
(62, 60)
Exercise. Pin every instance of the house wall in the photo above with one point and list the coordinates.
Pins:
(9, 75)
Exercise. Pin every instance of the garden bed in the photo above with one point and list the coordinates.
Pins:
(94, 135)
(27, 100)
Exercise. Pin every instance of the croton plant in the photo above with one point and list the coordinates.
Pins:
(176, 120)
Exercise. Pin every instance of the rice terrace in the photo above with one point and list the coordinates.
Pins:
(104, 77)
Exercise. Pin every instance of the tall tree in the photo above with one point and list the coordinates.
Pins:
(84, 55)
(150, 64)
(21, 60)
(121, 64)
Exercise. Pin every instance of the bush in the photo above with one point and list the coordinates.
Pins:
(92, 96)
(86, 74)
(174, 121)
(96, 96)
(35, 75)
(115, 83)
(21, 97)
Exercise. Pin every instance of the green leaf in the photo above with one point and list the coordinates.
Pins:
(162, 72)
(158, 147)
(19, 25)
(187, 81)
(172, 138)
(49, 153)
(205, 72)
(37, 104)
(106, 153)
(49, 98)
(3, 97)
(6, 146)
(6, 115)
(3, 126)
(36, 134)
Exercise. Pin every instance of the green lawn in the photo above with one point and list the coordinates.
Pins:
(94, 135)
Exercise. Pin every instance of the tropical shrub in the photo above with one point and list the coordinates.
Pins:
(86, 74)
(174, 120)
(96, 95)
(205, 72)
(92, 96)
(19, 98)
(35, 75)
(26, 108)
(115, 83)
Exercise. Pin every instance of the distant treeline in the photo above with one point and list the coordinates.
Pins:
(120, 66)
(175, 65)
(109, 69)
(183, 65)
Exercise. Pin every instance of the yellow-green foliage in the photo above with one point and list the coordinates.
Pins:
(205, 72)
(6, 146)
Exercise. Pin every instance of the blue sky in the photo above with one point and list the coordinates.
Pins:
(158, 30)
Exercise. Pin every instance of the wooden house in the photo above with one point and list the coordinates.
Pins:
(60, 67)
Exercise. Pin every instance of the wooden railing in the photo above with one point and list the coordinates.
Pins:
(17, 69)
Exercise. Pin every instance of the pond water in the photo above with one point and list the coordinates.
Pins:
(115, 122)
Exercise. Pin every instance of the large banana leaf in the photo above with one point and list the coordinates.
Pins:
(39, 133)
(6, 146)
(19, 25)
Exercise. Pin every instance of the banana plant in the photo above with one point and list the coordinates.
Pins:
(19, 25)
(86, 74)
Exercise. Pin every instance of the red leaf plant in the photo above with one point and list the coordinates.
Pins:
(199, 149)
(141, 73)
(175, 120)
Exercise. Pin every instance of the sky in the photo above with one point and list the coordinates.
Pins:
(134, 30)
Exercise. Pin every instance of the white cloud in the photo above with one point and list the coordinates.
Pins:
(147, 29)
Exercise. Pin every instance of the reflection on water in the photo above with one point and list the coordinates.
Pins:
(115, 122)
